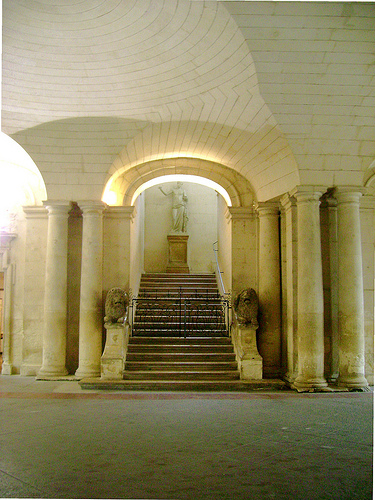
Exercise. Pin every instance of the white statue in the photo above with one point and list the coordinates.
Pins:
(179, 208)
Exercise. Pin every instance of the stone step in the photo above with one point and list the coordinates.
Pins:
(178, 283)
(181, 385)
(180, 340)
(181, 375)
(178, 357)
(181, 366)
(178, 277)
(185, 294)
(179, 349)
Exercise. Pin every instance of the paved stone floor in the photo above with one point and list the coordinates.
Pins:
(58, 441)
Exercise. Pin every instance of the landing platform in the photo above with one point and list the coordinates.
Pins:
(182, 385)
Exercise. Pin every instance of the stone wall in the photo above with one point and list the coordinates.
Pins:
(201, 227)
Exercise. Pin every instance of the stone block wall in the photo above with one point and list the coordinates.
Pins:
(201, 227)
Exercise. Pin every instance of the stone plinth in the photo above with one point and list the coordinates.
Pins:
(250, 362)
(177, 253)
(113, 358)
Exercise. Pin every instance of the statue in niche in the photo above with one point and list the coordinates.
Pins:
(116, 305)
(179, 208)
(246, 308)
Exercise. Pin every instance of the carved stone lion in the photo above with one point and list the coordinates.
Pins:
(116, 304)
(246, 308)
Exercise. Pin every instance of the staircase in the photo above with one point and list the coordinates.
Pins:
(179, 339)
(170, 363)
(179, 305)
(162, 355)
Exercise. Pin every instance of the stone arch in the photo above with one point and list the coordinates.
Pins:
(120, 189)
(369, 178)
(21, 182)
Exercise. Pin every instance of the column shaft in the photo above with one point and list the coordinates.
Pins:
(90, 320)
(55, 300)
(351, 307)
(7, 367)
(310, 293)
(269, 289)
(290, 299)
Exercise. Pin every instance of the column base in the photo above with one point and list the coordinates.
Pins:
(51, 372)
(7, 369)
(82, 373)
(289, 378)
(301, 384)
(352, 382)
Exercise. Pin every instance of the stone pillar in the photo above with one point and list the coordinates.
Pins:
(55, 296)
(244, 248)
(330, 285)
(8, 269)
(90, 320)
(310, 292)
(351, 308)
(290, 287)
(269, 289)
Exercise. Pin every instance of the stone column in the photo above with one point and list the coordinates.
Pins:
(310, 292)
(55, 296)
(351, 308)
(90, 320)
(330, 269)
(269, 289)
(8, 269)
(290, 287)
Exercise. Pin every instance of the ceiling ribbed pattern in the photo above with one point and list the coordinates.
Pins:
(93, 88)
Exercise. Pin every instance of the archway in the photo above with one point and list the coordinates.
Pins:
(137, 186)
(122, 189)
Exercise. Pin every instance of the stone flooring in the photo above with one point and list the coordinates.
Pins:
(58, 441)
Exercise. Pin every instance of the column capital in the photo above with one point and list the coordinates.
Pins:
(57, 207)
(349, 194)
(116, 212)
(35, 212)
(265, 208)
(305, 194)
(287, 201)
(91, 206)
(237, 213)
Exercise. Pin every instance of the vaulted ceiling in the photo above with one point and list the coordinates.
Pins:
(281, 92)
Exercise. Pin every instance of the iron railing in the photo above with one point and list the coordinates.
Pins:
(182, 313)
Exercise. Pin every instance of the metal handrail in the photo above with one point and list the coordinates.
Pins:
(218, 267)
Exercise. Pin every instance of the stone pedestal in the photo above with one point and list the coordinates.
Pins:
(177, 253)
(250, 363)
(113, 358)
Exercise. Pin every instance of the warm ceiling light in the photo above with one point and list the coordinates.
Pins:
(195, 179)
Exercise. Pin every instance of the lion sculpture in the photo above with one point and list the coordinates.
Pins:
(116, 305)
(246, 308)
